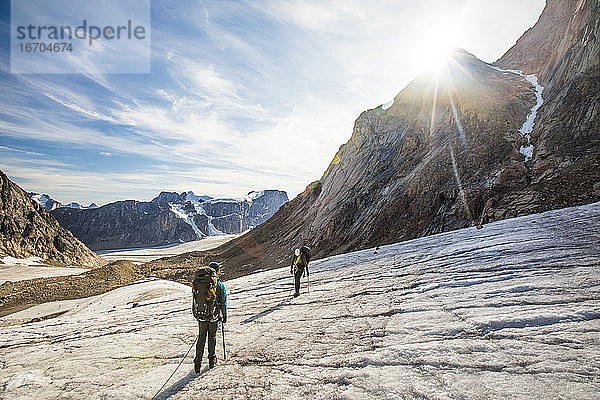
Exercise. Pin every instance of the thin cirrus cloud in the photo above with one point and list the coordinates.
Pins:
(242, 95)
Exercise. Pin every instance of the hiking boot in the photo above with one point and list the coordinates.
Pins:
(212, 362)
(296, 294)
(197, 366)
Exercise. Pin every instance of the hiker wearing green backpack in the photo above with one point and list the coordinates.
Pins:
(209, 306)
(300, 261)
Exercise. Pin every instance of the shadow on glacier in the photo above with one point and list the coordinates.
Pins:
(180, 384)
(266, 312)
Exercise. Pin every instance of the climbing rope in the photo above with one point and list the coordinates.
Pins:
(181, 362)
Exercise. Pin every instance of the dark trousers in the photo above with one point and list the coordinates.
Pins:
(297, 277)
(211, 329)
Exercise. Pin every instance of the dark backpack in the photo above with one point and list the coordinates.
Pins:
(304, 250)
(302, 260)
(204, 289)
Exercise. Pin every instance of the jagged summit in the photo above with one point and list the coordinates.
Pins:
(45, 201)
(50, 204)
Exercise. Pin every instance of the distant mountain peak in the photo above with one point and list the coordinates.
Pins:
(50, 204)
(45, 201)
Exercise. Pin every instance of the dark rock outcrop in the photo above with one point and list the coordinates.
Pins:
(166, 198)
(446, 154)
(27, 229)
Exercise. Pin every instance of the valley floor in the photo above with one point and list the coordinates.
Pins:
(15, 273)
(511, 311)
(142, 255)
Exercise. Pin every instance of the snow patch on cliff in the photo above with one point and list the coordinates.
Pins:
(388, 104)
(527, 128)
(212, 230)
(178, 210)
(250, 197)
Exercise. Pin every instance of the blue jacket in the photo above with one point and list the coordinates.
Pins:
(222, 298)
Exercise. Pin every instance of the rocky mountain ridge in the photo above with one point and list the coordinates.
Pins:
(169, 218)
(28, 230)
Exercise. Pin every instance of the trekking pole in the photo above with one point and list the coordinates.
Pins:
(223, 334)
(308, 281)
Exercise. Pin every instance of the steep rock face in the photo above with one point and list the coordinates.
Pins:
(563, 44)
(445, 158)
(27, 229)
(125, 224)
(226, 215)
(261, 206)
(426, 164)
(564, 48)
(236, 216)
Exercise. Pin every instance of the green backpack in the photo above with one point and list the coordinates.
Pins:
(204, 289)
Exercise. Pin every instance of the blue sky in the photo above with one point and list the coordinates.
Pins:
(242, 95)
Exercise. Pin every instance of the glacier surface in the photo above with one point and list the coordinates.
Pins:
(508, 311)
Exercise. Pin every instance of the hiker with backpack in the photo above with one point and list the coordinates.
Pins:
(300, 261)
(209, 306)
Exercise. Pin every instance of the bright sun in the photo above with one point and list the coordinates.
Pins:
(436, 48)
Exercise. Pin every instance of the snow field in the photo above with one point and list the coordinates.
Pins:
(18, 269)
(142, 255)
(508, 311)
(15, 273)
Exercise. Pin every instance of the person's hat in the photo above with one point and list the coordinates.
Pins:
(297, 252)
(215, 265)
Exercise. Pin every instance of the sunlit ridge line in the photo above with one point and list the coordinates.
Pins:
(458, 182)
(435, 94)
(457, 120)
